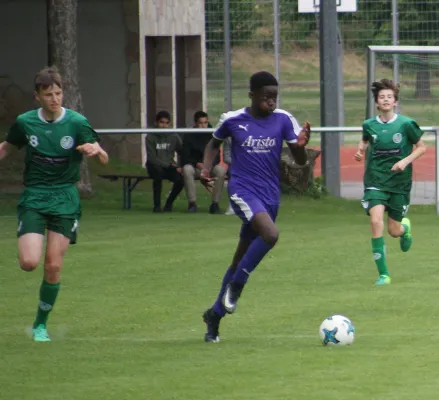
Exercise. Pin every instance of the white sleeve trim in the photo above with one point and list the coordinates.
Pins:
(216, 137)
(291, 141)
(296, 126)
(226, 116)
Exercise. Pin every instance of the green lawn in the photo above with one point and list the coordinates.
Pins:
(127, 324)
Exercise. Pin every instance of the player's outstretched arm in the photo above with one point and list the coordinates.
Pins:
(4, 149)
(210, 153)
(362, 146)
(94, 150)
(419, 150)
(298, 149)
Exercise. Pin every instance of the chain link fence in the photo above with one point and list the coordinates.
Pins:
(252, 32)
(377, 22)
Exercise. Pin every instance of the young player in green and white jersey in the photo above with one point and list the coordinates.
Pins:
(392, 143)
(55, 139)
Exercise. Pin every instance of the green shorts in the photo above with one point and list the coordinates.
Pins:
(31, 221)
(55, 209)
(396, 204)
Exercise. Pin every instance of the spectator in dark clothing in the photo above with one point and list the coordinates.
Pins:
(192, 161)
(160, 162)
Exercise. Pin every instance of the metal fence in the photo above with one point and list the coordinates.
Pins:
(273, 35)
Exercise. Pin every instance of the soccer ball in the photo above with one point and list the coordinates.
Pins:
(337, 330)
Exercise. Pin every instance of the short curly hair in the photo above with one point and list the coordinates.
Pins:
(384, 84)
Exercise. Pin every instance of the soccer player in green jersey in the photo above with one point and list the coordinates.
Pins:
(55, 139)
(391, 142)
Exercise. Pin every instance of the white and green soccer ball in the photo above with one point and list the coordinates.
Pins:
(337, 330)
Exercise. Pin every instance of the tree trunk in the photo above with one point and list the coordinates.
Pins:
(423, 83)
(62, 50)
(298, 179)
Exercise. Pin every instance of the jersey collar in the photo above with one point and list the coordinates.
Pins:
(388, 122)
(63, 114)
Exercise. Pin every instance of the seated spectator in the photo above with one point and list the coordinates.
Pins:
(160, 164)
(192, 161)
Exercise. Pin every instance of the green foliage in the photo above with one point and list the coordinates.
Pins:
(243, 22)
(371, 24)
(315, 190)
(295, 29)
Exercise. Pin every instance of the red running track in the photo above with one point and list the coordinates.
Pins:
(352, 171)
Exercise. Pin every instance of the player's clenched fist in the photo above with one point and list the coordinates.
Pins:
(359, 154)
(304, 135)
(205, 176)
(89, 149)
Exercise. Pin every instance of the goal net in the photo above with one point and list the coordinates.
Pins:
(416, 69)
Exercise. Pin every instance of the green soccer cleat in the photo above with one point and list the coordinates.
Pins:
(40, 334)
(405, 241)
(383, 280)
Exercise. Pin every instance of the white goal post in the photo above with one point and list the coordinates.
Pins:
(372, 51)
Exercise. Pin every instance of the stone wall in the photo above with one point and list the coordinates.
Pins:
(173, 18)
(128, 147)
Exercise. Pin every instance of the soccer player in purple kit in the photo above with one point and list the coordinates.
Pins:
(257, 134)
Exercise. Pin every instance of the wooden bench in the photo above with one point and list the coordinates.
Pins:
(129, 182)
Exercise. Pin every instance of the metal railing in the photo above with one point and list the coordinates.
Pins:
(319, 129)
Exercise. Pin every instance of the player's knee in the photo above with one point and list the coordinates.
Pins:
(394, 230)
(376, 221)
(28, 263)
(271, 237)
(52, 268)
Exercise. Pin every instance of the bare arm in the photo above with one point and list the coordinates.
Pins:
(102, 155)
(362, 147)
(419, 150)
(5, 149)
(210, 153)
(299, 153)
(94, 150)
(298, 148)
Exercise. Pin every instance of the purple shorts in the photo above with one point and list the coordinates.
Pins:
(246, 206)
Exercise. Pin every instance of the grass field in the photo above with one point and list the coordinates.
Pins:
(127, 324)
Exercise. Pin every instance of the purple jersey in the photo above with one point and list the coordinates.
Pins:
(256, 150)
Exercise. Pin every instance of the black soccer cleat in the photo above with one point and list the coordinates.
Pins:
(214, 208)
(167, 208)
(192, 208)
(212, 320)
(231, 295)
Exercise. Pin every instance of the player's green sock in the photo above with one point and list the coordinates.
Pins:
(379, 255)
(48, 293)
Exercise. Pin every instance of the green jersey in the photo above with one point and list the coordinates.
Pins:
(389, 143)
(51, 158)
